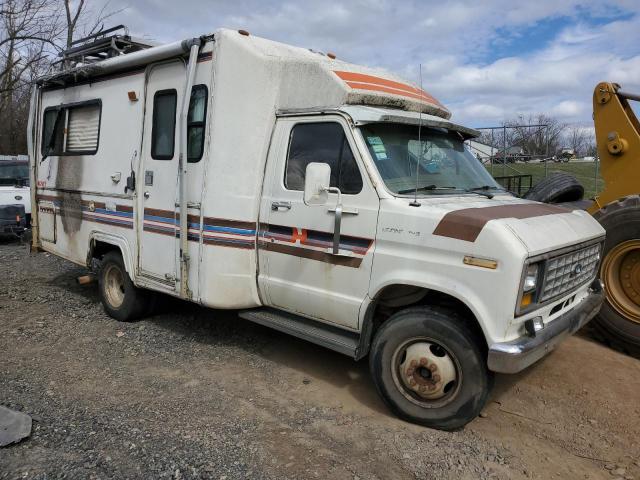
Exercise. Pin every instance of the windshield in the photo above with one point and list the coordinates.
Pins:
(12, 173)
(438, 161)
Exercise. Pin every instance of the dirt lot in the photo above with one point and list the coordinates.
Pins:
(196, 393)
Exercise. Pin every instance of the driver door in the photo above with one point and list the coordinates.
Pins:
(298, 271)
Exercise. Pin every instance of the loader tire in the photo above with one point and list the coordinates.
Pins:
(121, 299)
(618, 322)
(556, 188)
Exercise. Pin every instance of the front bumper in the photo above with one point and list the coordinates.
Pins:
(12, 219)
(514, 356)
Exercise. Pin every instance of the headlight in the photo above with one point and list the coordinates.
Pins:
(529, 286)
(530, 278)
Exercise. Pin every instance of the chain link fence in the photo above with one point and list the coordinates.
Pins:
(507, 156)
(519, 176)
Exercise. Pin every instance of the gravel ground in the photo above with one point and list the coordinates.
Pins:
(198, 393)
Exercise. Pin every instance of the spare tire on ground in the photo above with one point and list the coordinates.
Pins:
(556, 188)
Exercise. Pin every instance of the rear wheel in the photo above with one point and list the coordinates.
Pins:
(619, 319)
(429, 369)
(120, 297)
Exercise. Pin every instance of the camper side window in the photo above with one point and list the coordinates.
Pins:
(163, 132)
(196, 121)
(325, 143)
(83, 128)
(71, 129)
(52, 141)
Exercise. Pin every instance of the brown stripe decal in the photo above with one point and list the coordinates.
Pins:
(47, 198)
(467, 224)
(311, 254)
(221, 222)
(159, 213)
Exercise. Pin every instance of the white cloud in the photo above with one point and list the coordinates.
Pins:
(451, 39)
(568, 108)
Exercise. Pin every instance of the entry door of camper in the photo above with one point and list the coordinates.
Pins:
(158, 224)
(298, 270)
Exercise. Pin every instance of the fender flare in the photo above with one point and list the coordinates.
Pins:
(366, 332)
(117, 241)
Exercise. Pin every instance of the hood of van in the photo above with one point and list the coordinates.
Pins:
(10, 195)
(539, 227)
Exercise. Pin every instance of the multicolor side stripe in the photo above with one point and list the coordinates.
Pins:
(299, 242)
(97, 212)
(215, 231)
(313, 244)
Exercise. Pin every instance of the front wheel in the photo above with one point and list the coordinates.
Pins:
(429, 369)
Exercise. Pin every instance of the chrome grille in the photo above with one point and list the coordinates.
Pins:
(570, 270)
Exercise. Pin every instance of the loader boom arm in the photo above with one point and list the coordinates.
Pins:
(618, 141)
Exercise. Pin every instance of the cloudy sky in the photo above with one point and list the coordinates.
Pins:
(486, 60)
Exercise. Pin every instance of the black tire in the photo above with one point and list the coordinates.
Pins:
(621, 220)
(556, 188)
(445, 327)
(134, 302)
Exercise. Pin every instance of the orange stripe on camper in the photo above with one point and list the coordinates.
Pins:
(361, 81)
(394, 91)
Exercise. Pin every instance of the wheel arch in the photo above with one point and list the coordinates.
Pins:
(100, 243)
(394, 297)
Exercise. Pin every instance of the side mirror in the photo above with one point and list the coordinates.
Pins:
(316, 183)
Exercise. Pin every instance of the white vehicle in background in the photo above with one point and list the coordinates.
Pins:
(15, 197)
(324, 199)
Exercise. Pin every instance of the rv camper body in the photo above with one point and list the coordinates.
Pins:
(241, 173)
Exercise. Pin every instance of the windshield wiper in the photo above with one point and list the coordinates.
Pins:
(482, 190)
(424, 187)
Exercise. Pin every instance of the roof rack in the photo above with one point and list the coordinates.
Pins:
(100, 46)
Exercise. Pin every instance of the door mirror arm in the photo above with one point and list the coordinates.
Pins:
(337, 220)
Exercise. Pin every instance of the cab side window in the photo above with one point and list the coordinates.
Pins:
(196, 120)
(323, 142)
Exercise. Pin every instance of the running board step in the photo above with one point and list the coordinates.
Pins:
(319, 333)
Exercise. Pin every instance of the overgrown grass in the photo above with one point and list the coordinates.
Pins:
(585, 173)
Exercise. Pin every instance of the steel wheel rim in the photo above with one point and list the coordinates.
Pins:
(114, 286)
(432, 389)
(621, 274)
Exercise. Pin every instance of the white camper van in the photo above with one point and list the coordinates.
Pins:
(324, 199)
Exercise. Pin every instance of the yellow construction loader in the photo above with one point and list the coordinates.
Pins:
(617, 208)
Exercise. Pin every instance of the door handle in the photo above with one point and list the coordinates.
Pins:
(278, 205)
(146, 194)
